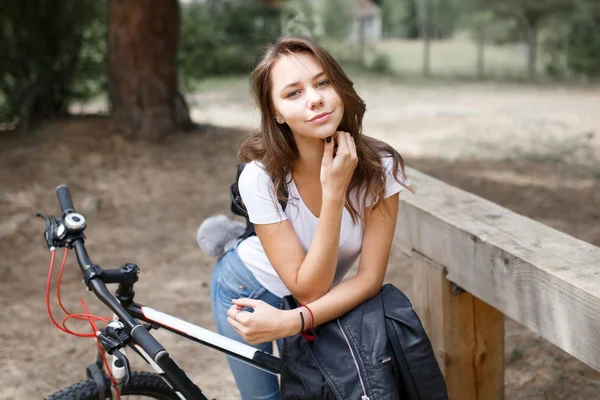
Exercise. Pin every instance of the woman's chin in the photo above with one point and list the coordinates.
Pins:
(326, 130)
(321, 132)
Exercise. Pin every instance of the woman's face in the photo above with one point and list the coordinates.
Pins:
(304, 98)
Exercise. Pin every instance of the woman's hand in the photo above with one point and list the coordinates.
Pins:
(338, 164)
(265, 324)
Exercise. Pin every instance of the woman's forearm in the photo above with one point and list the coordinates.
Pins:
(343, 298)
(317, 271)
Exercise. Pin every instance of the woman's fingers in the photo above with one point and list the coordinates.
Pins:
(245, 326)
(238, 326)
(243, 317)
(346, 150)
(328, 153)
(337, 172)
(239, 320)
(352, 146)
(245, 302)
(342, 142)
(233, 311)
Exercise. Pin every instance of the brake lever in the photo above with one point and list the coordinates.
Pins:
(112, 346)
(119, 364)
(51, 229)
(112, 339)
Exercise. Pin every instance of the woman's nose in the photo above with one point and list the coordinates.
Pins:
(314, 98)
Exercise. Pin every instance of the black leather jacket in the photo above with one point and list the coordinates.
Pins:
(377, 351)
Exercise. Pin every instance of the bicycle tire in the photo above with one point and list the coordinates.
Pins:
(145, 384)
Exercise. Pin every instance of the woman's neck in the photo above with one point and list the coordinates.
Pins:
(308, 163)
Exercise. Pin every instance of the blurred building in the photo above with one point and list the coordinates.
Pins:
(367, 17)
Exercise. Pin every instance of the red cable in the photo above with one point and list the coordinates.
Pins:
(82, 317)
(63, 328)
(95, 329)
(85, 316)
(62, 267)
(48, 292)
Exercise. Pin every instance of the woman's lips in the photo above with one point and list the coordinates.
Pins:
(319, 119)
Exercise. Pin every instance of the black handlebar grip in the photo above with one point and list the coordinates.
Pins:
(174, 374)
(64, 199)
(178, 378)
(146, 341)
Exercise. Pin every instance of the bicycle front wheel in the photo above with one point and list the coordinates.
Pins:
(142, 385)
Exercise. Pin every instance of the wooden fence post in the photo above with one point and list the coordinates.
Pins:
(466, 333)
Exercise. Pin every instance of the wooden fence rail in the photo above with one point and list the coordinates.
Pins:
(477, 261)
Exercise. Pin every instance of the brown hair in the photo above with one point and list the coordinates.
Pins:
(274, 146)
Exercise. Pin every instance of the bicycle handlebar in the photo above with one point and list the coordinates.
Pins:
(64, 199)
(92, 271)
(140, 335)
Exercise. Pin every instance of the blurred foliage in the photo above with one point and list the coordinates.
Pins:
(499, 30)
(298, 18)
(90, 78)
(53, 52)
(223, 38)
(569, 31)
(381, 64)
(399, 19)
(444, 15)
(402, 18)
(573, 43)
(336, 17)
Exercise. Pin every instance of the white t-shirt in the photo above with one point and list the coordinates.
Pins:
(256, 189)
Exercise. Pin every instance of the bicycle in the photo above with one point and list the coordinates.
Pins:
(125, 329)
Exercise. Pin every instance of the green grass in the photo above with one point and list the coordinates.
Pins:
(454, 58)
(220, 82)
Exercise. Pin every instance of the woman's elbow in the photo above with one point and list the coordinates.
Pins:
(372, 286)
(374, 290)
(308, 296)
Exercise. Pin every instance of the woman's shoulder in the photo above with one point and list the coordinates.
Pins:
(254, 172)
(387, 160)
(398, 175)
(254, 167)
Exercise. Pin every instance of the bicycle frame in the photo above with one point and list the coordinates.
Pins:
(240, 351)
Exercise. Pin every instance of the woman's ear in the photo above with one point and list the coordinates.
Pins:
(279, 120)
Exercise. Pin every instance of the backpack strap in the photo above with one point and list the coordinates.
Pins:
(238, 207)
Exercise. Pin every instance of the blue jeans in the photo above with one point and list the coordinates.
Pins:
(231, 279)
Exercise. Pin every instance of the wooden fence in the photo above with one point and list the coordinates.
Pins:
(476, 262)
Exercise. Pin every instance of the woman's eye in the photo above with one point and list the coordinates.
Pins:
(322, 83)
(293, 93)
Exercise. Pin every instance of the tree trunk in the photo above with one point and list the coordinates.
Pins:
(361, 42)
(426, 53)
(481, 51)
(531, 49)
(142, 67)
(426, 35)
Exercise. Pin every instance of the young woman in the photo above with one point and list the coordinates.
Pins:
(341, 190)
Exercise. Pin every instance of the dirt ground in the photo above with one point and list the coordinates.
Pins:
(533, 150)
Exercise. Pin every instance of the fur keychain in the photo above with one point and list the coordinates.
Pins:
(218, 234)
